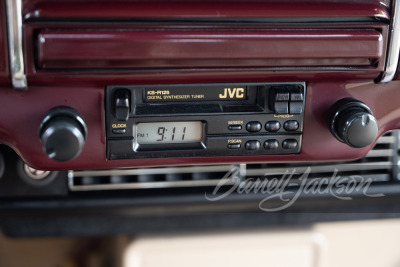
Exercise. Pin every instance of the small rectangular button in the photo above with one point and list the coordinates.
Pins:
(234, 146)
(296, 107)
(281, 107)
(296, 96)
(282, 96)
(122, 104)
(119, 131)
(235, 127)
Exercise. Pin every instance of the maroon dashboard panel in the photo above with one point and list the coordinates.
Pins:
(74, 50)
(20, 127)
(204, 48)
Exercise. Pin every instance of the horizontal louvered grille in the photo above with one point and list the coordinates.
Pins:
(380, 164)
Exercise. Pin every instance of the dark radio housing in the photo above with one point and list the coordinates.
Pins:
(231, 114)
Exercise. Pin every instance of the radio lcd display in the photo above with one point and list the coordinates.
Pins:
(169, 132)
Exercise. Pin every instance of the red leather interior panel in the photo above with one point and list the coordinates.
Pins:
(206, 48)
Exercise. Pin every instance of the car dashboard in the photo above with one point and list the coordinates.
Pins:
(140, 116)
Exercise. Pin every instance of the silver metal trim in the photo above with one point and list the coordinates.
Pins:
(324, 171)
(161, 184)
(16, 55)
(241, 171)
(328, 168)
(148, 185)
(153, 171)
(392, 58)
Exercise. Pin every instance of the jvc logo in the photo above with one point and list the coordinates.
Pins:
(232, 93)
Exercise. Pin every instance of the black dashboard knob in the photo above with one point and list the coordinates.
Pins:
(63, 133)
(352, 122)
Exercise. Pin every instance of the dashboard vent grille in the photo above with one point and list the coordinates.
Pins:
(380, 164)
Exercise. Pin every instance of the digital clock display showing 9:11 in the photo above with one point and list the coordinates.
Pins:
(169, 132)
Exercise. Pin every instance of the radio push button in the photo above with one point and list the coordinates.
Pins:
(280, 100)
(234, 146)
(281, 107)
(296, 102)
(119, 131)
(291, 125)
(271, 144)
(253, 126)
(296, 107)
(289, 144)
(252, 145)
(272, 126)
(122, 104)
(235, 127)
(296, 96)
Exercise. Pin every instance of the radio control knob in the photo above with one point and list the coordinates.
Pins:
(63, 133)
(352, 122)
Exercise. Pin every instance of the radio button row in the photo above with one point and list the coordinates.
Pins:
(289, 144)
(234, 146)
(291, 125)
(235, 127)
(252, 145)
(272, 126)
(253, 126)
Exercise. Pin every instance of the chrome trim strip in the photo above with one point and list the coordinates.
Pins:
(326, 168)
(324, 171)
(154, 171)
(384, 168)
(16, 55)
(392, 57)
(225, 169)
(147, 185)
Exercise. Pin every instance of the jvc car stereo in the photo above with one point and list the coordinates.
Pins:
(200, 120)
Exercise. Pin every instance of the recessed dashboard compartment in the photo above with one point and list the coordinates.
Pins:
(130, 48)
(197, 120)
(132, 42)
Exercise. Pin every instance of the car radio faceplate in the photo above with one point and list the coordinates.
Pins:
(200, 120)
